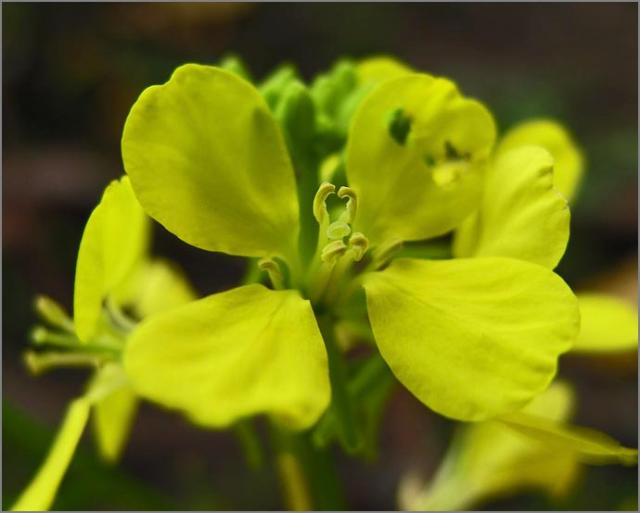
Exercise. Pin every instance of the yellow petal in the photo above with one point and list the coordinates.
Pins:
(40, 493)
(552, 136)
(414, 156)
(244, 352)
(156, 286)
(113, 416)
(207, 160)
(521, 214)
(374, 70)
(588, 445)
(114, 241)
(608, 324)
(471, 338)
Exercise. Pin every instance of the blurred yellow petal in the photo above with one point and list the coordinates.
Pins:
(114, 241)
(414, 157)
(112, 419)
(374, 70)
(521, 214)
(551, 135)
(244, 352)
(156, 286)
(40, 493)
(608, 324)
(208, 161)
(488, 460)
(471, 338)
(588, 445)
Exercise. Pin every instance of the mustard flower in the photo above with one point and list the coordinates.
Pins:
(535, 449)
(472, 338)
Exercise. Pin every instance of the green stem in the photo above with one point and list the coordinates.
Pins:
(250, 443)
(308, 475)
(341, 402)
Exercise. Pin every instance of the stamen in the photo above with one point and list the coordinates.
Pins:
(358, 246)
(41, 362)
(273, 270)
(118, 319)
(349, 215)
(319, 202)
(53, 313)
(332, 251)
(41, 336)
(338, 230)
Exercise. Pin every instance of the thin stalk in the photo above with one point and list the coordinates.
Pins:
(295, 488)
(250, 443)
(308, 475)
(341, 401)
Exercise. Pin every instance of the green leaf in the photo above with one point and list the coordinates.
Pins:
(114, 241)
(414, 156)
(521, 214)
(207, 160)
(41, 491)
(608, 324)
(471, 338)
(551, 135)
(244, 352)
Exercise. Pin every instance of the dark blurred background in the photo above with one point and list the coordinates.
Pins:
(72, 71)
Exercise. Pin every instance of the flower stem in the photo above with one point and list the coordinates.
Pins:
(295, 488)
(308, 474)
(341, 401)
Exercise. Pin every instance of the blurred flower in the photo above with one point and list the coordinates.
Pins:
(536, 448)
(113, 271)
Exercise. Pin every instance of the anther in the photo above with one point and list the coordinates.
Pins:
(332, 251)
(338, 230)
(320, 212)
(41, 336)
(53, 313)
(272, 268)
(349, 215)
(40, 362)
(358, 246)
